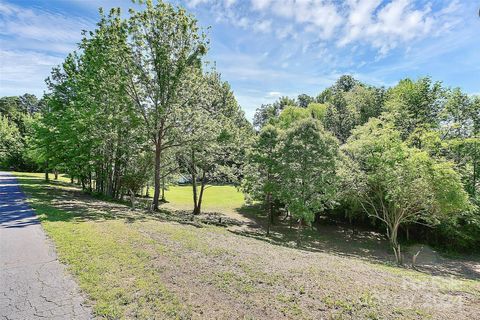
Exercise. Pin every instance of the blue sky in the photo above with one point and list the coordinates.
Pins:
(269, 48)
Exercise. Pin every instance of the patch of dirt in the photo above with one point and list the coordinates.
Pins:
(227, 276)
(238, 273)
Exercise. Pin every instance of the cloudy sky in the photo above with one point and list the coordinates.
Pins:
(270, 48)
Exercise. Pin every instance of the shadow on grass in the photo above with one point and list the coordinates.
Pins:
(363, 244)
(60, 201)
(56, 201)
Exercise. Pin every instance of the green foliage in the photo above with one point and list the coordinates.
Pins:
(290, 115)
(10, 141)
(308, 164)
(130, 108)
(18, 115)
(137, 105)
(268, 113)
(339, 117)
(460, 232)
(403, 184)
(90, 128)
(415, 104)
(318, 111)
(262, 171)
(345, 83)
(214, 139)
(367, 102)
(415, 157)
(163, 55)
(304, 100)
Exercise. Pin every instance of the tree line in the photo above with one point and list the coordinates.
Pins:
(136, 101)
(404, 159)
(137, 106)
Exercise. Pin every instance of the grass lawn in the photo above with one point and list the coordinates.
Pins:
(215, 199)
(134, 265)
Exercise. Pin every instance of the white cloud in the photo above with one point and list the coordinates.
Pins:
(41, 27)
(274, 94)
(260, 4)
(320, 16)
(263, 26)
(359, 18)
(382, 25)
(226, 3)
(32, 42)
(385, 26)
(194, 3)
(25, 71)
(243, 22)
(229, 3)
(285, 32)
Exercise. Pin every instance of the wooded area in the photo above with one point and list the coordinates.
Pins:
(138, 105)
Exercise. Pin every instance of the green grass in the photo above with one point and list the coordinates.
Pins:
(124, 260)
(41, 176)
(216, 198)
(111, 259)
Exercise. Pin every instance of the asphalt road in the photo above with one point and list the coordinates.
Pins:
(33, 283)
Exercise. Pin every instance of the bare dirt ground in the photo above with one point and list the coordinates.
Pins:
(232, 271)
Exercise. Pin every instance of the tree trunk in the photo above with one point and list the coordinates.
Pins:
(352, 225)
(194, 194)
(299, 232)
(393, 235)
(47, 178)
(157, 182)
(198, 207)
(270, 208)
(116, 183)
(163, 190)
(132, 198)
(110, 179)
(56, 174)
(90, 184)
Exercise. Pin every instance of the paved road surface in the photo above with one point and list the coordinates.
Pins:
(33, 283)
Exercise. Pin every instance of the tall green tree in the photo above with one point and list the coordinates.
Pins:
(308, 169)
(213, 137)
(164, 45)
(366, 102)
(262, 173)
(90, 128)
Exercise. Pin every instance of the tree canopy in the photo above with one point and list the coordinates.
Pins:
(138, 105)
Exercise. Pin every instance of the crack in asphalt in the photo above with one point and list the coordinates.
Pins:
(33, 282)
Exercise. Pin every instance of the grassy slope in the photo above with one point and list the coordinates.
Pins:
(131, 265)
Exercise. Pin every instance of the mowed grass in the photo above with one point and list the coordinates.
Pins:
(135, 265)
(110, 259)
(216, 198)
